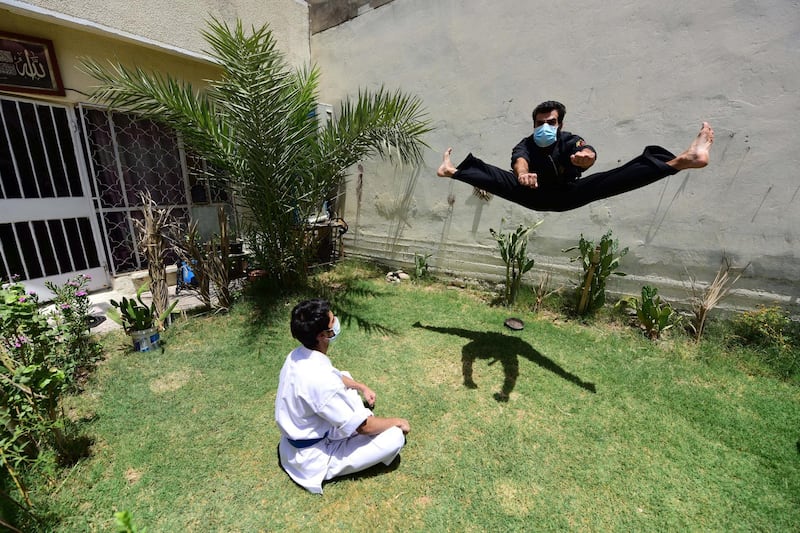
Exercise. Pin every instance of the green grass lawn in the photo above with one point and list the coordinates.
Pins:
(602, 429)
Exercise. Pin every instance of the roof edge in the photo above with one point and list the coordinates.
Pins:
(63, 19)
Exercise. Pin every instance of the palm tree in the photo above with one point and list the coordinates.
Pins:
(257, 126)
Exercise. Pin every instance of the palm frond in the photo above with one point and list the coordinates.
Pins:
(388, 124)
(166, 100)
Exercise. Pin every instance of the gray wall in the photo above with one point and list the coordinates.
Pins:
(642, 72)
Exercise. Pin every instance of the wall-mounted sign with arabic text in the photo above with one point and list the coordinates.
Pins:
(28, 65)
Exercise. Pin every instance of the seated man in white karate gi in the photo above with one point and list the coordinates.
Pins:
(326, 431)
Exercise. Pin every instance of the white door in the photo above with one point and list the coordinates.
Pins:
(48, 226)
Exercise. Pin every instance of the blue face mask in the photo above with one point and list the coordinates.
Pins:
(545, 135)
(336, 329)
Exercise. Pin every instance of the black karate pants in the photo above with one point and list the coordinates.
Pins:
(645, 169)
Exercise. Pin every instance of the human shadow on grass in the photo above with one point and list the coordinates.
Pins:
(506, 349)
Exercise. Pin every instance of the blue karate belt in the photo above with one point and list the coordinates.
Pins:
(305, 443)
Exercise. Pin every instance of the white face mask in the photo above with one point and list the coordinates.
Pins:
(336, 328)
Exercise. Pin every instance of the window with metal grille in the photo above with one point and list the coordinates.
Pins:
(206, 184)
(128, 155)
(36, 152)
(45, 229)
(43, 248)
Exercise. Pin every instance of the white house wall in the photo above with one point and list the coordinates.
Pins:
(631, 74)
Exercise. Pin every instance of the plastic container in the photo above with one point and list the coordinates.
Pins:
(145, 340)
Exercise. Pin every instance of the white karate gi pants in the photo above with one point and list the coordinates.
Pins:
(360, 452)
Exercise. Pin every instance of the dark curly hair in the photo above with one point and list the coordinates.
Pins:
(546, 107)
(309, 319)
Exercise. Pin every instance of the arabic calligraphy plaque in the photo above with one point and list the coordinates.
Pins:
(28, 65)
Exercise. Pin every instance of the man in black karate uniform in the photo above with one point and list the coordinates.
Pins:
(547, 166)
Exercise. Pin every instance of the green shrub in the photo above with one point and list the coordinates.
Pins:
(421, 265)
(654, 314)
(76, 348)
(773, 335)
(514, 252)
(30, 382)
(39, 362)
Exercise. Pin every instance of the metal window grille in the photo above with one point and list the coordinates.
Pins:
(37, 157)
(127, 155)
(44, 248)
(206, 183)
(44, 227)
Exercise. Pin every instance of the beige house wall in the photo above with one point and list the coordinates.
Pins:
(156, 36)
(645, 72)
(71, 44)
(178, 23)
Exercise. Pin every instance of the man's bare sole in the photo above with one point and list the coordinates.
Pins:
(446, 169)
(696, 156)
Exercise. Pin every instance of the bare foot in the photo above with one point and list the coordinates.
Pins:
(446, 169)
(696, 156)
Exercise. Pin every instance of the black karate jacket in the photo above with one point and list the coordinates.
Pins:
(551, 164)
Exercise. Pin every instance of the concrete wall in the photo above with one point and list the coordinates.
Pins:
(644, 72)
(329, 13)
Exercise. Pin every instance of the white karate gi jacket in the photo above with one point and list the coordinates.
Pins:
(312, 401)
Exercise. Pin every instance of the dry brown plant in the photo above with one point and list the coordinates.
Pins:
(218, 262)
(543, 290)
(210, 261)
(704, 299)
(188, 245)
(153, 240)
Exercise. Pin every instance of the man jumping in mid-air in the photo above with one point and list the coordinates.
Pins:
(548, 164)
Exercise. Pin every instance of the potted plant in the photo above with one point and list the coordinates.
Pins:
(139, 320)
